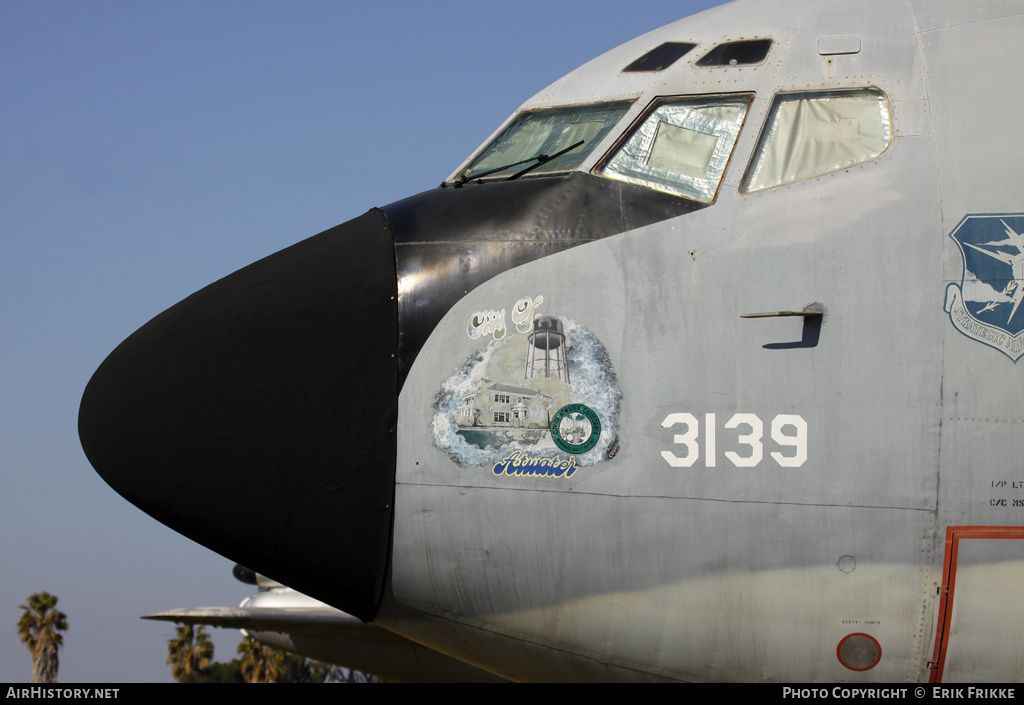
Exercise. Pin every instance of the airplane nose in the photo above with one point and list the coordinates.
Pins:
(257, 416)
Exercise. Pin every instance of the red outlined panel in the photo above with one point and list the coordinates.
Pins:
(859, 651)
(947, 590)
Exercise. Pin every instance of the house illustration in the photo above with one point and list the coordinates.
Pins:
(504, 406)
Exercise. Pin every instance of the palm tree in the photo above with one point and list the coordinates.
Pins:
(260, 664)
(38, 628)
(189, 654)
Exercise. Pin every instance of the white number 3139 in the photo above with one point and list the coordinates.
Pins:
(788, 431)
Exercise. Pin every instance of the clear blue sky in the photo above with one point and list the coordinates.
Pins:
(149, 148)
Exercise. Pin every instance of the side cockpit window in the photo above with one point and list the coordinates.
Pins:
(681, 146)
(809, 134)
(535, 137)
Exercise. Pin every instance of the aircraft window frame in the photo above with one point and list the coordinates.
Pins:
(639, 143)
(545, 140)
(794, 166)
(660, 57)
(744, 52)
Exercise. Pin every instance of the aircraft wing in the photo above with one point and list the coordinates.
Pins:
(318, 622)
(303, 626)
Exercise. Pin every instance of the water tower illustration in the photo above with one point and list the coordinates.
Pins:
(546, 350)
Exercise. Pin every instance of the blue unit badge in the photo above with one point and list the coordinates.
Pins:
(986, 304)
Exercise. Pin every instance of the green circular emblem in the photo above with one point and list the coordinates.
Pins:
(575, 428)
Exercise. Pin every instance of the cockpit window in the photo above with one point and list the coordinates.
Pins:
(809, 134)
(681, 146)
(745, 53)
(545, 133)
(660, 58)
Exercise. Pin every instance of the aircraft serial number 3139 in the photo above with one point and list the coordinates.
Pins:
(796, 440)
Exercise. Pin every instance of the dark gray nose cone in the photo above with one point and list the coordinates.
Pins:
(257, 416)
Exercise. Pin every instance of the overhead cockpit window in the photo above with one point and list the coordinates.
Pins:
(660, 58)
(681, 146)
(546, 140)
(745, 53)
(809, 134)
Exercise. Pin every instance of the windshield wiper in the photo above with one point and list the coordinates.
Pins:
(537, 161)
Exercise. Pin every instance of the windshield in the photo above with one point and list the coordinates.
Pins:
(682, 146)
(547, 132)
